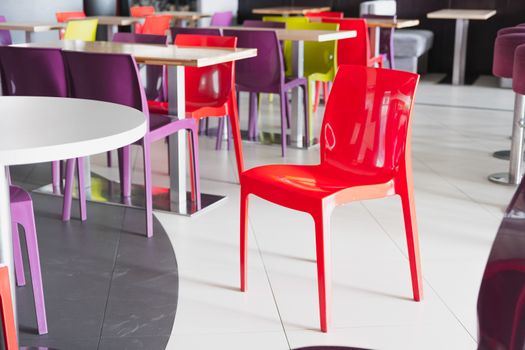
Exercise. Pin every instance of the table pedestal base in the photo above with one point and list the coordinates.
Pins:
(106, 191)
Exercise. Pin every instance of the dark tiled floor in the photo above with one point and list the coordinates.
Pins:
(106, 286)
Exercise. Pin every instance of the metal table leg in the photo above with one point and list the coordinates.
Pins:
(374, 41)
(177, 141)
(297, 121)
(513, 177)
(6, 242)
(460, 52)
(111, 31)
(29, 37)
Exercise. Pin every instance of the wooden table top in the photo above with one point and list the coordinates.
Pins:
(184, 14)
(154, 54)
(31, 27)
(462, 14)
(303, 35)
(382, 23)
(290, 10)
(115, 20)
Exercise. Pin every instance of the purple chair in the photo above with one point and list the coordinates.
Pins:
(22, 214)
(386, 39)
(253, 23)
(265, 73)
(115, 78)
(222, 19)
(40, 72)
(5, 35)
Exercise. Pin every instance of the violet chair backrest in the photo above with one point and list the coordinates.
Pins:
(253, 23)
(222, 19)
(368, 133)
(155, 88)
(105, 77)
(32, 72)
(264, 72)
(194, 31)
(5, 35)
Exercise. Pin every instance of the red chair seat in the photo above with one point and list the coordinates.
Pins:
(192, 110)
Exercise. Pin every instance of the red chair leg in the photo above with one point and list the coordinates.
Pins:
(244, 240)
(324, 269)
(6, 304)
(234, 120)
(325, 92)
(409, 214)
(316, 98)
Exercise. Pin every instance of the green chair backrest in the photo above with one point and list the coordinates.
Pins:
(85, 30)
(320, 58)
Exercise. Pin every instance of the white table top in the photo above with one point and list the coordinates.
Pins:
(31, 26)
(302, 35)
(43, 129)
(154, 54)
(462, 14)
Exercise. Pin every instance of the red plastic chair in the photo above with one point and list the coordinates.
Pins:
(365, 154)
(141, 11)
(325, 14)
(351, 51)
(63, 17)
(204, 98)
(6, 306)
(157, 25)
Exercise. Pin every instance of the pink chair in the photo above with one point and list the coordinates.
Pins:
(22, 214)
(222, 19)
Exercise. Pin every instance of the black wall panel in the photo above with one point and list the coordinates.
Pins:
(481, 33)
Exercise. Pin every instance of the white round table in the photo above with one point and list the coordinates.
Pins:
(43, 129)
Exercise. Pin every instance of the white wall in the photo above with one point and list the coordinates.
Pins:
(211, 6)
(36, 11)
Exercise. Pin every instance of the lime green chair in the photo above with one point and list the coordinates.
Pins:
(85, 30)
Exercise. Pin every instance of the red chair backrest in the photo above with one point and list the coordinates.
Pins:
(208, 85)
(64, 16)
(328, 14)
(141, 11)
(355, 50)
(157, 25)
(367, 121)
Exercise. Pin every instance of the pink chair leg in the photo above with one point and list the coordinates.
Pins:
(34, 264)
(17, 254)
(68, 190)
(323, 245)
(148, 187)
(81, 188)
(55, 174)
(325, 92)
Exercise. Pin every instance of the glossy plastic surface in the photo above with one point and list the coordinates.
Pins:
(65, 16)
(84, 30)
(157, 25)
(518, 81)
(210, 91)
(501, 300)
(5, 35)
(6, 307)
(325, 14)
(365, 154)
(262, 24)
(504, 49)
(141, 11)
(356, 50)
(196, 31)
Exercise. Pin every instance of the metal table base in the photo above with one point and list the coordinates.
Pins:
(107, 191)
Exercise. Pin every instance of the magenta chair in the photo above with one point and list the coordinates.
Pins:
(115, 78)
(40, 72)
(22, 214)
(5, 35)
(222, 19)
(254, 23)
(265, 73)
